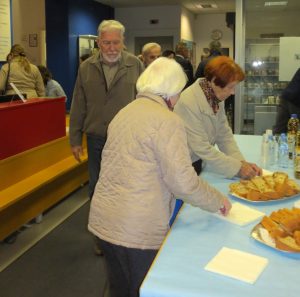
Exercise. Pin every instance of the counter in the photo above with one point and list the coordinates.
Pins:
(24, 126)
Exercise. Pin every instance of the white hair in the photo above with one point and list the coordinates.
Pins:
(148, 46)
(163, 77)
(111, 25)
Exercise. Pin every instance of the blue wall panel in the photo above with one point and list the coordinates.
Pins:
(65, 21)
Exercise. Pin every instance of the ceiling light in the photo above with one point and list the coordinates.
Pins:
(276, 3)
(202, 6)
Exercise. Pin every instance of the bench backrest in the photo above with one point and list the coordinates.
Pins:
(20, 166)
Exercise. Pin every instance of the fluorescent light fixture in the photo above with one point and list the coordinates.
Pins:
(276, 3)
(207, 6)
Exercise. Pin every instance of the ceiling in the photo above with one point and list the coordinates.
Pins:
(191, 5)
(222, 6)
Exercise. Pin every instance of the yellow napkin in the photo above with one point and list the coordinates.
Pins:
(237, 264)
(241, 214)
(267, 172)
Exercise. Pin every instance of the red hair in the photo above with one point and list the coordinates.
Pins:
(224, 70)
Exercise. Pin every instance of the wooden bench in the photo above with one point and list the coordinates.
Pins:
(34, 180)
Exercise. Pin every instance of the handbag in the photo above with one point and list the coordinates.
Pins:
(2, 92)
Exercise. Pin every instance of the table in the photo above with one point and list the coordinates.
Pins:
(196, 237)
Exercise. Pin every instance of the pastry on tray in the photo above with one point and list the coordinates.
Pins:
(267, 187)
(283, 227)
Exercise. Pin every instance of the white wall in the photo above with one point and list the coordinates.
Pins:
(187, 25)
(204, 25)
(136, 22)
(29, 18)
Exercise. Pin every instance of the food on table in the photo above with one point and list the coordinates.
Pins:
(267, 187)
(284, 227)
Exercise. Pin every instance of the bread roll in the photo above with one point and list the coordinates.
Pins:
(264, 188)
(270, 181)
(297, 237)
(287, 243)
(280, 177)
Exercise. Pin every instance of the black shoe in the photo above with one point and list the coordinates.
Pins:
(10, 239)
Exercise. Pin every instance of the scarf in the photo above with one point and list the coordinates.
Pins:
(209, 93)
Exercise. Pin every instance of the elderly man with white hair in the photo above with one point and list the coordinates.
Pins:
(105, 84)
(150, 52)
(145, 164)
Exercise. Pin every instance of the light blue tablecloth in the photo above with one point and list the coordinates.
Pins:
(197, 236)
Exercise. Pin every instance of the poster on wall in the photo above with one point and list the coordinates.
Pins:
(289, 57)
(5, 29)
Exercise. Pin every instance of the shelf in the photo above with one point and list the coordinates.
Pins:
(264, 62)
(263, 75)
(259, 87)
(268, 44)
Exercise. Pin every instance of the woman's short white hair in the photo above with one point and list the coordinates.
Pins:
(163, 77)
(111, 25)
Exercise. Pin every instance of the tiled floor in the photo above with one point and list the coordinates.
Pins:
(34, 232)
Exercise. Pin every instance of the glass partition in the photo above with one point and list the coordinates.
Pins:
(263, 27)
(87, 45)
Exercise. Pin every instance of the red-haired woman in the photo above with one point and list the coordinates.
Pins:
(201, 106)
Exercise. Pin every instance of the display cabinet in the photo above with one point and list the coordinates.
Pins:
(87, 45)
(262, 87)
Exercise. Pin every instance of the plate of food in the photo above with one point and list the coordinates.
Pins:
(270, 187)
(280, 230)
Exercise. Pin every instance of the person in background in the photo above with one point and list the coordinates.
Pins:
(214, 51)
(145, 164)
(289, 104)
(150, 52)
(182, 57)
(201, 106)
(169, 54)
(52, 87)
(105, 84)
(25, 76)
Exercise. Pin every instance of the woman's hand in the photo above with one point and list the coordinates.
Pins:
(224, 210)
(249, 170)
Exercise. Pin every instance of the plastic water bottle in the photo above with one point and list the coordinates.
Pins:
(265, 161)
(271, 149)
(283, 152)
(276, 140)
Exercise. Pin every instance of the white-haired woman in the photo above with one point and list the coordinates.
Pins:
(145, 163)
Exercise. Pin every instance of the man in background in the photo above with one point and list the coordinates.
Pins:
(182, 57)
(150, 52)
(214, 51)
(105, 84)
(289, 104)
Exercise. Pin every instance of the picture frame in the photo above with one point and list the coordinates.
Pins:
(33, 40)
